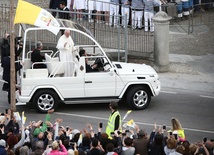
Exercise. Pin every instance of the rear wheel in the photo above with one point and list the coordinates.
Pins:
(138, 97)
(45, 100)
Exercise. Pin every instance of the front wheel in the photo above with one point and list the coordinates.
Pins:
(45, 100)
(138, 97)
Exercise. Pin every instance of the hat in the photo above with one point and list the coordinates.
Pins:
(2, 143)
(141, 133)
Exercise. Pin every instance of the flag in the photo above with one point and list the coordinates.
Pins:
(127, 113)
(31, 14)
(130, 124)
(23, 118)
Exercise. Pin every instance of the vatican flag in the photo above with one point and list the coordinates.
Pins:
(31, 14)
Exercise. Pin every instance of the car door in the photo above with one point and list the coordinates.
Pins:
(100, 84)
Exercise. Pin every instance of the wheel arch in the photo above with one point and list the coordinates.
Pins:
(131, 85)
(34, 92)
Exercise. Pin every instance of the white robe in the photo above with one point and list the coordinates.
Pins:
(66, 54)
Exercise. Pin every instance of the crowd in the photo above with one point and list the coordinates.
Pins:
(51, 138)
(133, 12)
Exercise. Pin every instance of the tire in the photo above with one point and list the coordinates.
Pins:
(138, 97)
(45, 100)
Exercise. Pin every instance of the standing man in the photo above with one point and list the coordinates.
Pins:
(63, 15)
(149, 13)
(54, 4)
(37, 57)
(137, 13)
(66, 47)
(6, 73)
(125, 11)
(114, 121)
(114, 12)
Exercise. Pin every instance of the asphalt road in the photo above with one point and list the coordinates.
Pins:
(194, 109)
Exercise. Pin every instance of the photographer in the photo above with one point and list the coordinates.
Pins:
(5, 60)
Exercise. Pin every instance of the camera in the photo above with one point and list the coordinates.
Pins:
(50, 129)
(118, 132)
(164, 127)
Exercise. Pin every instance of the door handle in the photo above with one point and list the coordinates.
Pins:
(88, 81)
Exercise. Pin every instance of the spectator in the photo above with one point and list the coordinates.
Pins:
(110, 149)
(156, 143)
(63, 15)
(177, 129)
(149, 13)
(114, 122)
(24, 150)
(79, 6)
(137, 13)
(91, 8)
(56, 146)
(39, 148)
(186, 145)
(3, 147)
(141, 143)
(96, 148)
(36, 56)
(171, 144)
(99, 8)
(106, 9)
(128, 149)
(54, 4)
(125, 12)
(114, 12)
(179, 150)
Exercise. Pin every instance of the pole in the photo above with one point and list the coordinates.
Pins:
(12, 58)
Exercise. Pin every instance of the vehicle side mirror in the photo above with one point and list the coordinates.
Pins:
(111, 71)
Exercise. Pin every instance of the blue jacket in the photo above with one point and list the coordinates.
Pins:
(3, 151)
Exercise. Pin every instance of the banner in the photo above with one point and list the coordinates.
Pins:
(31, 14)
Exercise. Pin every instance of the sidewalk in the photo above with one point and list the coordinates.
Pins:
(194, 73)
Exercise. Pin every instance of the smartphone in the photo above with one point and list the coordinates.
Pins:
(204, 139)
(176, 136)
(41, 124)
(112, 133)
(127, 131)
(118, 132)
(50, 129)
(67, 128)
(71, 143)
(6, 111)
(101, 125)
(164, 127)
(170, 133)
(123, 134)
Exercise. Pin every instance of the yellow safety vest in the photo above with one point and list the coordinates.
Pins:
(111, 121)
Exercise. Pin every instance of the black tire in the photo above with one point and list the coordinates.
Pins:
(138, 97)
(45, 100)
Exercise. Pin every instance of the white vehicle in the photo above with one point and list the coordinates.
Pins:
(45, 89)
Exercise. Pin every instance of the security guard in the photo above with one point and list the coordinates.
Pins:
(114, 122)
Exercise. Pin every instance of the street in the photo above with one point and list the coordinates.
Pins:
(194, 110)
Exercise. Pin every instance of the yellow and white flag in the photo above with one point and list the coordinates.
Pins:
(31, 14)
